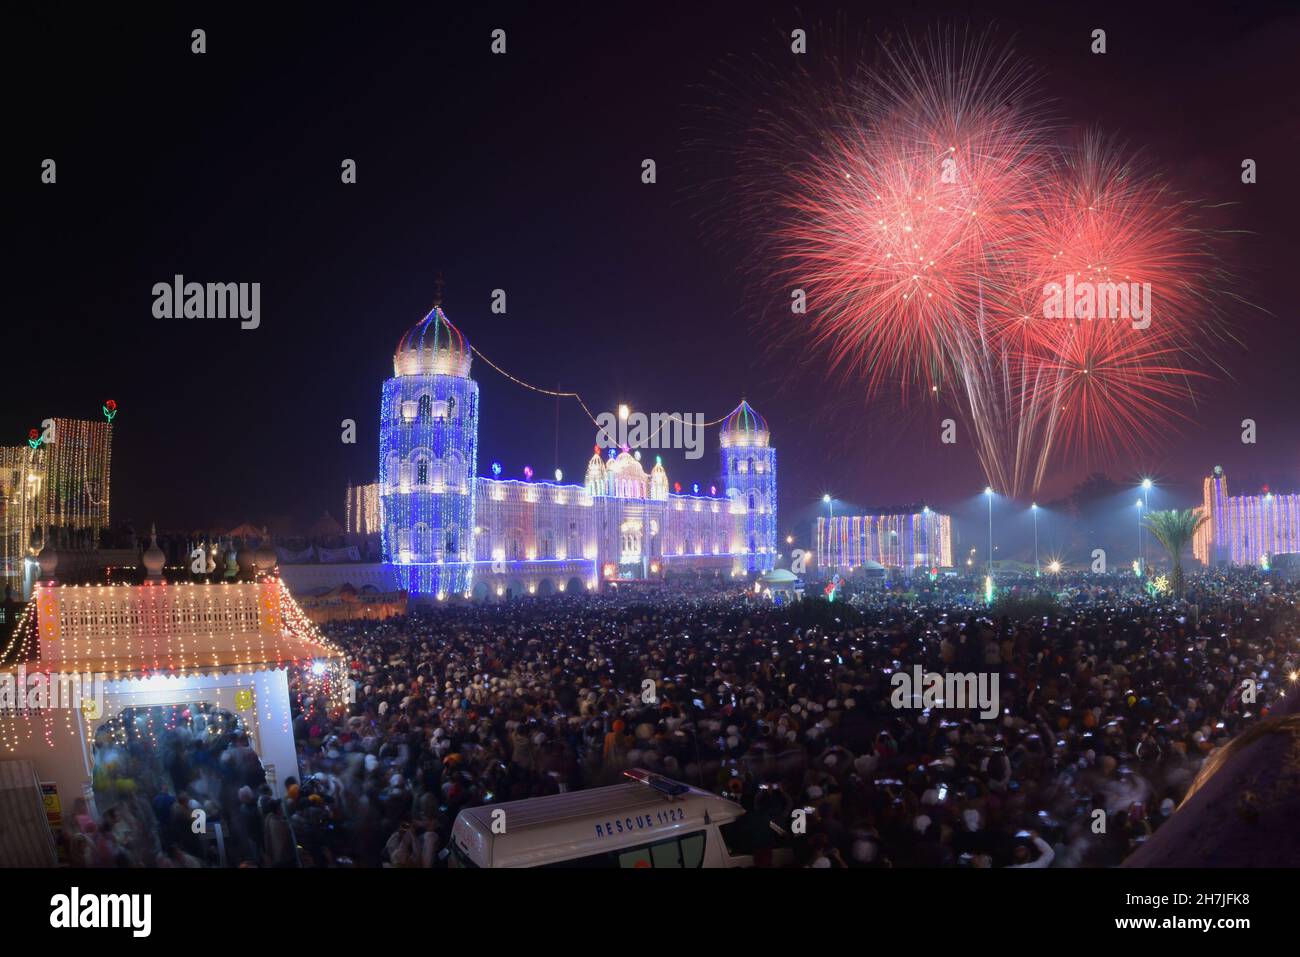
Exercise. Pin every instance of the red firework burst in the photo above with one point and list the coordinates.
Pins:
(1112, 311)
(895, 223)
(927, 219)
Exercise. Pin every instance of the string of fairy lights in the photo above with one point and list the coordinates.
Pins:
(166, 630)
(668, 417)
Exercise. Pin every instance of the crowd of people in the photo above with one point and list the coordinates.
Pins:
(159, 771)
(1108, 701)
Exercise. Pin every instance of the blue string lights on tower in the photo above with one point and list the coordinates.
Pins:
(428, 447)
(446, 532)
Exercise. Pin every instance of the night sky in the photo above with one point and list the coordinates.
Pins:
(522, 172)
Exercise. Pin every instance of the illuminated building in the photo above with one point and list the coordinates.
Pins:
(1245, 529)
(62, 484)
(22, 495)
(906, 539)
(448, 533)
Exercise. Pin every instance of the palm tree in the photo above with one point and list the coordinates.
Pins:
(1174, 528)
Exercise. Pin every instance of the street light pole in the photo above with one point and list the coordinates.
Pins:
(830, 523)
(988, 493)
(1034, 509)
(1146, 505)
(1139, 508)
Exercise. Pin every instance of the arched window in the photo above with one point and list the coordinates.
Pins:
(425, 407)
(422, 473)
(735, 466)
(451, 407)
(751, 501)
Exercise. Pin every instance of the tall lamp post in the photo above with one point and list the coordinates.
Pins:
(988, 493)
(1139, 561)
(1034, 508)
(1146, 505)
(830, 522)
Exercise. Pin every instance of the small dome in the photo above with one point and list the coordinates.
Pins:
(744, 427)
(626, 477)
(433, 346)
(154, 559)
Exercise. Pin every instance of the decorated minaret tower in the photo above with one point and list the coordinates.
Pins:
(749, 476)
(428, 443)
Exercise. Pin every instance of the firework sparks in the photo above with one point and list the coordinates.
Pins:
(927, 218)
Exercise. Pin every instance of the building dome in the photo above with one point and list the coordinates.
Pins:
(595, 478)
(659, 480)
(433, 346)
(626, 477)
(744, 427)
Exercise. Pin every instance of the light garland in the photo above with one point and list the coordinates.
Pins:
(363, 510)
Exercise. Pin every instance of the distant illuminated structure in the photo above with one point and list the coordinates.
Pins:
(1245, 529)
(61, 483)
(448, 533)
(905, 539)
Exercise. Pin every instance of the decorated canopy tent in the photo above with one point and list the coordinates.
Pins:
(82, 656)
(780, 581)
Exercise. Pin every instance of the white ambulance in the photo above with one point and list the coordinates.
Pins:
(649, 821)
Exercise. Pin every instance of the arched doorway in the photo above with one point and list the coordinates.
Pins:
(546, 587)
(480, 591)
(575, 586)
(152, 764)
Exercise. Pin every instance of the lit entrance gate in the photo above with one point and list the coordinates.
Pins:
(228, 647)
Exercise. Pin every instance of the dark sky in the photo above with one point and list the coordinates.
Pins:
(522, 172)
